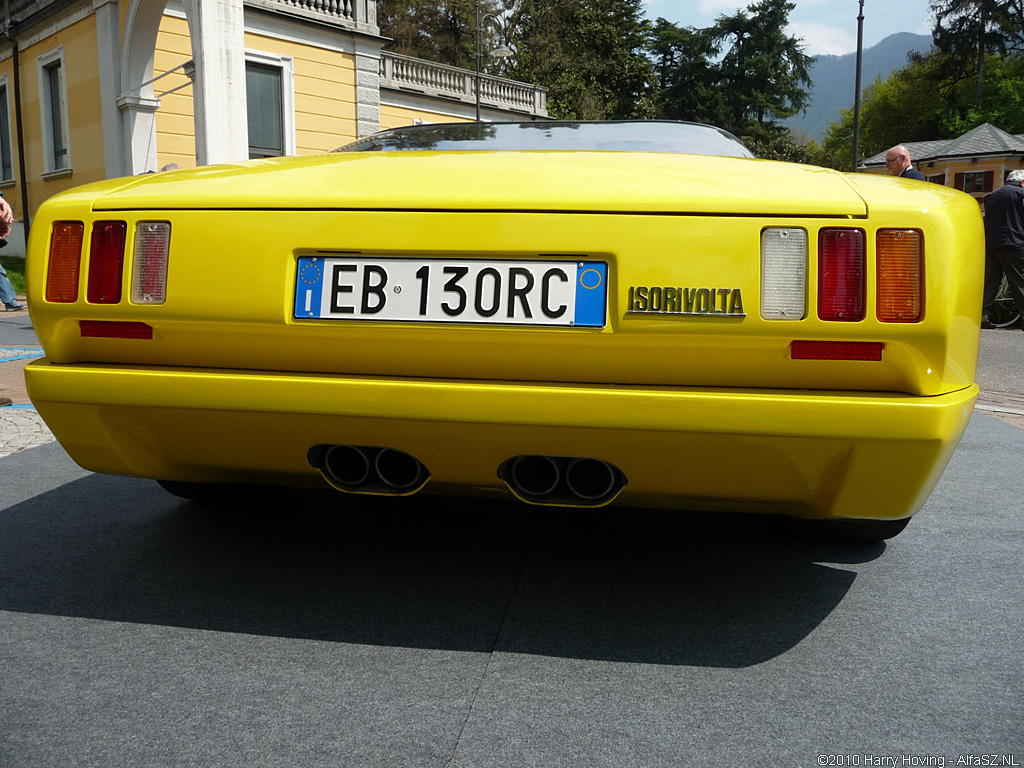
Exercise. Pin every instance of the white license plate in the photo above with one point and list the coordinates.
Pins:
(485, 291)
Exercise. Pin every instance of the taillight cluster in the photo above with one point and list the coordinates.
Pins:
(106, 261)
(843, 275)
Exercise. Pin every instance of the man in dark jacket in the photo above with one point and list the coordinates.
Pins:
(897, 163)
(1004, 241)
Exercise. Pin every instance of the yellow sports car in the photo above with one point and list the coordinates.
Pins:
(574, 313)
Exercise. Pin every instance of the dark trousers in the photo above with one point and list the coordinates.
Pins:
(1001, 260)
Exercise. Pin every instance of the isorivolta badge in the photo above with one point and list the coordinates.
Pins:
(690, 302)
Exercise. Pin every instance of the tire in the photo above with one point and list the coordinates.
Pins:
(850, 530)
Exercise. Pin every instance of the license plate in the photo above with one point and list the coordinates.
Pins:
(484, 291)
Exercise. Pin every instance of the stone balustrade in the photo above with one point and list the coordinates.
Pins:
(403, 73)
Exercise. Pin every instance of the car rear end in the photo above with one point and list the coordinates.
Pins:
(577, 328)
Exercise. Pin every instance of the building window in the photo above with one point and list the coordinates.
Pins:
(269, 97)
(978, 181)
(939, 179)
(54, 112)
(6, 164)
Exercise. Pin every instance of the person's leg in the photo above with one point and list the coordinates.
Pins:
(7, 295)
(993, 277)
(1012, 260)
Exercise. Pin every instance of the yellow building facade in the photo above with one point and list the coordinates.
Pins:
(93, 89)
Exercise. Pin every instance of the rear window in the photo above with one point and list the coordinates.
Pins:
(624, 136)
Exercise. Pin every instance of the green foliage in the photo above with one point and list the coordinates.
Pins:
(777, 144)
(437, 30)
(590, 54)
(932, 99)
(742, 74)
(763, 71)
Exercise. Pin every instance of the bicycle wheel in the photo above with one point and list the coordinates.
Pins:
(1004, 313)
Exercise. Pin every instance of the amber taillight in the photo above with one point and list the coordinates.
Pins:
(106, 262)
(65, 261)
(841, 275)
(900, 275)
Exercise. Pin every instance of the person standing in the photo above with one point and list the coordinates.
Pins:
(7, 296)
(1004, 241)
(897, 163)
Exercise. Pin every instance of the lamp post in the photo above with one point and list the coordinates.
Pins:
(856, 96)
(501, 52)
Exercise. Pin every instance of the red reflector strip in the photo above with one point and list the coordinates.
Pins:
(115, 329)
(836, 350)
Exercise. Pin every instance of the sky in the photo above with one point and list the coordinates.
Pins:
(827, 27)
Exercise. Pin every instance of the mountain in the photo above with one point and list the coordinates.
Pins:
(834, 79)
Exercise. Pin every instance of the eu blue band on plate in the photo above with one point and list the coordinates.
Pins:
(309, 287)
(591, 289)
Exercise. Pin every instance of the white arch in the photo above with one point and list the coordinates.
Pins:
(217, 35)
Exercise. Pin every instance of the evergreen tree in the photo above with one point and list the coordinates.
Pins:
(764, 71)
(589, 54)
(438, 30)
(688, 78)
(967, 30)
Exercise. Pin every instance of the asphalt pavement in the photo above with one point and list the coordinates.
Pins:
(137, 629)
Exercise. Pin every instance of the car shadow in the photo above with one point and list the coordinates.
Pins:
(438, 573)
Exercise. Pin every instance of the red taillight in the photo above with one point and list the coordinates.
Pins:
(64, 263)
(115, 329)
(106, 262)
(841, 275)
(836, 350)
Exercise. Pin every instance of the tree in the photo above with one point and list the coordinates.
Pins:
(436, 30)
(688, 79)
(967, 30)
(923, 102)
(589, 54)
(764, 71)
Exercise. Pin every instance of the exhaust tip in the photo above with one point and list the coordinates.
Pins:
(369, 469)
(535, 475)
(397, 469)
(565, 481)
(590, 478)
(347, 465)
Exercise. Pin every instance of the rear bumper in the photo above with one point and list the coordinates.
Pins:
(812, 454)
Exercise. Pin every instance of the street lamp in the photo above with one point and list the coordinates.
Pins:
(502, 51)
(856, 96)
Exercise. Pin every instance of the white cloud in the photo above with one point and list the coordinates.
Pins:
(823, 40)
(720, 6)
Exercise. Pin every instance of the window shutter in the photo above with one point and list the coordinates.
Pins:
(988, 181)
(959, 181)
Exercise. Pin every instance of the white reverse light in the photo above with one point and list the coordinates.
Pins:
(783, 273)
(149, 262)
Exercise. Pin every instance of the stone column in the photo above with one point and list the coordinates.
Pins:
(217, 29)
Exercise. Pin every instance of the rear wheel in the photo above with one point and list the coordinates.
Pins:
(850, 530)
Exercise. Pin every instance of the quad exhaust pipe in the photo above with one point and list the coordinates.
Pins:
(562, 480)
(556, 480)
(369, 469)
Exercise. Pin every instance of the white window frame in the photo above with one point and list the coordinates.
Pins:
(287, 66)
(43, 63)
(5, 147)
